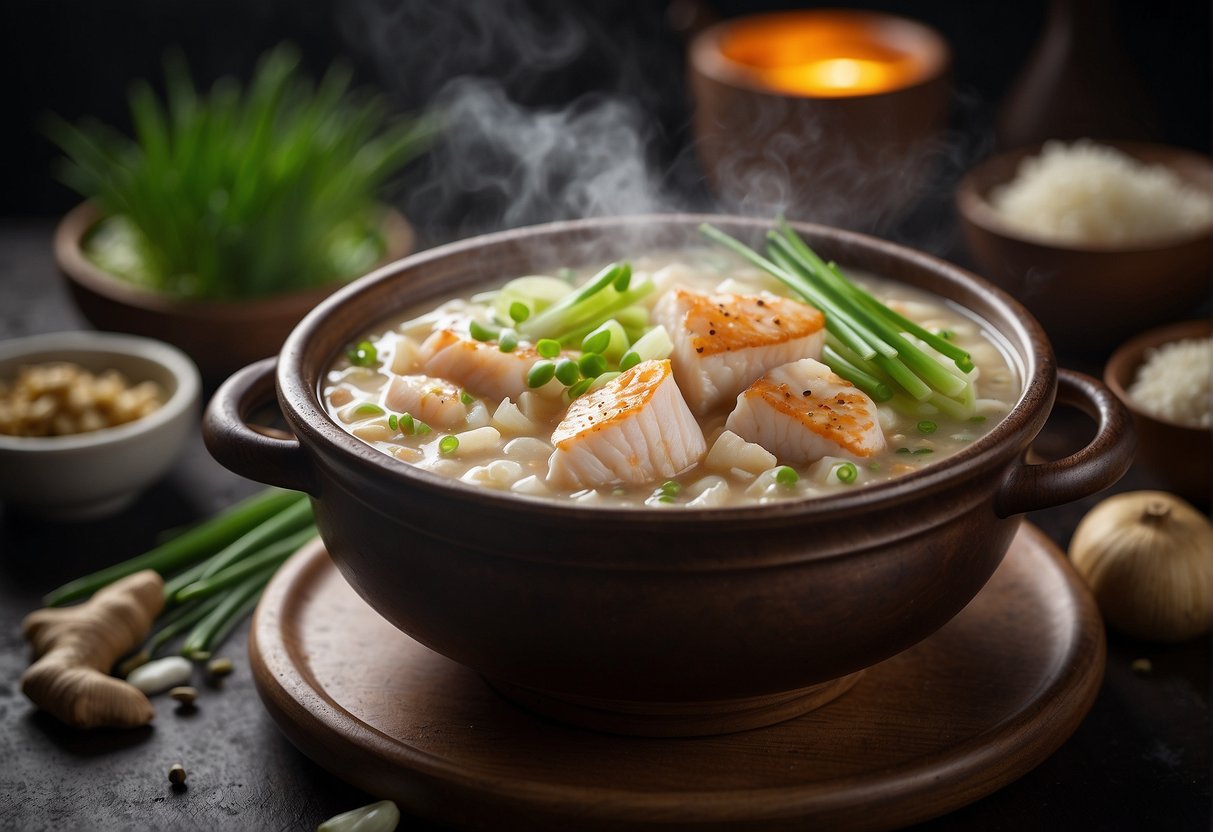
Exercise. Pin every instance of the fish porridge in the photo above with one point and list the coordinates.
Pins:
(689, 378)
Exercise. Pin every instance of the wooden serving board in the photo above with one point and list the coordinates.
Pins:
(958, 716)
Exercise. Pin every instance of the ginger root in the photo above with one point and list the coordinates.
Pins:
(75, 647)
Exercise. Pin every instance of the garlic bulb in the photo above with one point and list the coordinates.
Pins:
(1148, 558)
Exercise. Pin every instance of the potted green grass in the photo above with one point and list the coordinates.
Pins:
(229, 215)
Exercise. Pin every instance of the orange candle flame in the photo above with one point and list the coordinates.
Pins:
(826, 54)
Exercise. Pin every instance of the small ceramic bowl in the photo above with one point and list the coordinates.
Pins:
(1175, 454)
(89, 475)
(220, 336)
(1089, 298)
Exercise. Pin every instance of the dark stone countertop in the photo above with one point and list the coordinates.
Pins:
(1140, 760)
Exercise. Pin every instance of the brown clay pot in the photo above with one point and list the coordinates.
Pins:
(1178, 456)
(1089, 298)
(221, 336)
(669, 622)
(856, 161)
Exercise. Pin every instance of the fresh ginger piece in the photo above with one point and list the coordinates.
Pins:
(75, 647)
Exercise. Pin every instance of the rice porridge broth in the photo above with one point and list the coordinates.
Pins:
(506, 443)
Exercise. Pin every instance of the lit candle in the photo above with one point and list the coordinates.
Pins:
(829, 115)
(825, 54)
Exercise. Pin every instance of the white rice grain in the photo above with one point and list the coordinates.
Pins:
(1087, 193)
(1174, 382)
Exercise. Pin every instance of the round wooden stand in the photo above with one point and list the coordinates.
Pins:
(958, 716)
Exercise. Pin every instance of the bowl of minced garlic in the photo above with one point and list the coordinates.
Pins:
(89, 419)
(60, 398)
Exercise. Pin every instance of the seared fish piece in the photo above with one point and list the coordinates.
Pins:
(478, 366)
(635, 429)
(434, 401)
(723, 342)
(802, 411)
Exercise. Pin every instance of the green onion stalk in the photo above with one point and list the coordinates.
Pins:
(214, 572)
(867, 343)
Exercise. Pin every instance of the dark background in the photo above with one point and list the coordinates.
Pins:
(78, 59)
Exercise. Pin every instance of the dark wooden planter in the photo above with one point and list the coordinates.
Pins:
(221, 336)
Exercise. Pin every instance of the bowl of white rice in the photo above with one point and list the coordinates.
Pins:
(1165, 377)
(1098, 239)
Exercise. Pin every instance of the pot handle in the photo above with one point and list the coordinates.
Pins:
(1101, 463)
(242, 448)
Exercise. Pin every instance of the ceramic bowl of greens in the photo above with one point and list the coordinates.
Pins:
(221, 335)
(210, 232)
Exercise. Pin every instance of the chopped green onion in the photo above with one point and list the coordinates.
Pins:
(466, 398)
(786, 475)
(421, 428)
(846, 472)
(927, 426)
(978, 418)
(536, 292)
(604, 379)
(481, 332)
(580, 388)
(597, 341)
(369, 409)
(508, 341)
(519, 311)
(634, 319)
(670, 487)
(654, 344)
(547, 347)
(393, 422)
(665, 498)
(406, 423)
(561, 308)
(592, 365)
(448, 444)
(923, 451)
(363, 354)
(567, 372)
(618, 342)
(577, 314)
(541, 373)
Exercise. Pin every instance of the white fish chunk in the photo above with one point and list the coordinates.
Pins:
(802, 411)
(434, 401)
(723, 342)
(478, 366)
(635, 429)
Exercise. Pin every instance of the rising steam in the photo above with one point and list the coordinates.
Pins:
(516, 152)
